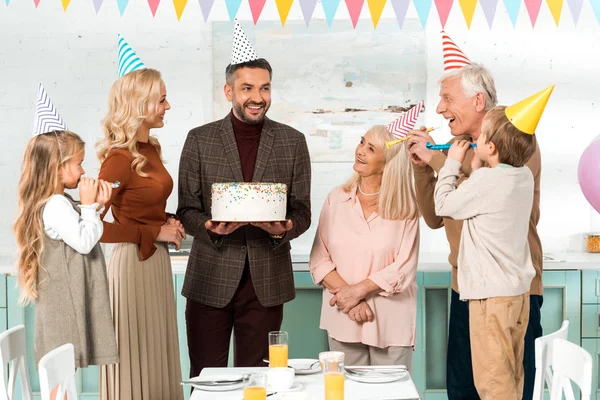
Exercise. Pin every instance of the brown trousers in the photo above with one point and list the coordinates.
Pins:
(497, 329)
(209, 329)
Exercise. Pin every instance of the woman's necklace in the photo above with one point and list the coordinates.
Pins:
(367, 194)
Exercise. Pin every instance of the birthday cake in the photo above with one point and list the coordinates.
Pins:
(248, 201)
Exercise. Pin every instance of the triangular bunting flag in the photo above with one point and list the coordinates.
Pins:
(512, 7)
(65, 4)
(555, 7)
(232, 8)
(128, 60)
(307, 7)
(423, 7)
(242, 50)
(46, 118)
(283, 6)
(533, 9)
(468, 9)
(179, 7)
(330, 8)
(401, 126)
(376, 8)
(153, 6)
(122, 5)
(354, 8)
(443, 7)
(36, 2)
(400, 8)
(596, 7)
(525, 115)
(7, 2)
(489, 10)
(453, 56)
(205, 7)
(256, 7)
(575, 7)
(97, 5)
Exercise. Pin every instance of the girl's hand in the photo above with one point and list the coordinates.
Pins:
(104, 193)
(88, 188)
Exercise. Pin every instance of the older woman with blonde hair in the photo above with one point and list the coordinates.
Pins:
(365, 256)
(139, 270)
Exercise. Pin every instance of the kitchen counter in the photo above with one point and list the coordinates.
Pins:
(428, 262)
(438, 262)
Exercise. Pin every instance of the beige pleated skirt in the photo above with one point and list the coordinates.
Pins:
(143, 308)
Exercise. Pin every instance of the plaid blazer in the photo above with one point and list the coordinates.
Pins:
(210, 154)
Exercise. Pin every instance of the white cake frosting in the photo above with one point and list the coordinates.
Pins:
(249, 201)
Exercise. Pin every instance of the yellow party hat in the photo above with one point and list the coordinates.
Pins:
(526, 114)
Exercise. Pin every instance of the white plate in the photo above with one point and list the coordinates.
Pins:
(301, 366)
(219, 388)
(376, 376)
(295, 387)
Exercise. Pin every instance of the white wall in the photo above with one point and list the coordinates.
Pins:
(74, 55)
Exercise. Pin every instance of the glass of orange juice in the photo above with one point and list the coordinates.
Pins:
(333, 372)
(257, 387)
(278, 349)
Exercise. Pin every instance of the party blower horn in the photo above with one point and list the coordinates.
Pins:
(401, 126)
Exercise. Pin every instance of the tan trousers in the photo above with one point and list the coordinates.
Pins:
(362, 354)
(497, 328)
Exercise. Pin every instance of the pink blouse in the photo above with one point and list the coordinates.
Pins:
(386, 252)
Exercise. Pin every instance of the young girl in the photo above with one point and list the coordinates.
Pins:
(61, 266)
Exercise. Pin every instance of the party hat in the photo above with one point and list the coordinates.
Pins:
(401, 126)
(128, 60)
(46, 118)
(453, 56)
(242, 50)
(526, 114)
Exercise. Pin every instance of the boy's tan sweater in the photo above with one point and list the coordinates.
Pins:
(494, 255)
(425, 180)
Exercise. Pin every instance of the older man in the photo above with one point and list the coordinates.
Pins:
(466, 94)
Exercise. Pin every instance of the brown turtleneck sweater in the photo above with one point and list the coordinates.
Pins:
(247, 137)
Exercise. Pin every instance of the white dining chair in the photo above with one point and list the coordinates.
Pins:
(543, 357)
(13, 355)
(570, 363)
(57, 368)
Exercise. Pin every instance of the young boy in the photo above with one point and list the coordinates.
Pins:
(495, 268)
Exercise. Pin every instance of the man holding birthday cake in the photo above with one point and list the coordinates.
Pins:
(244, 194)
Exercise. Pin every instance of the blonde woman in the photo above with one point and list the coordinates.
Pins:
(139, 270)
(365, 256)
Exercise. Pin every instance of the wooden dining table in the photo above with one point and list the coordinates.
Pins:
(313, 388)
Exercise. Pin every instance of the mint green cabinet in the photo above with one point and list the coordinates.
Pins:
(593, 347)
(590, 323)
(301, 318)
(429, 359)
(562, 300)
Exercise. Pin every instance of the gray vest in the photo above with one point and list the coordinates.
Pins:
(73, 304)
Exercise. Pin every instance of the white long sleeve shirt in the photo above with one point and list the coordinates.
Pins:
(62, 222)
(493, 258)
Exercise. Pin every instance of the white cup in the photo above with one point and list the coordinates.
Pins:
(281, 378)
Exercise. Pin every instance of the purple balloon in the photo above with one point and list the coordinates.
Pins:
(589, 174)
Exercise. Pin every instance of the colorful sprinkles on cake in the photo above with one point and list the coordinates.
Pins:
(240, 190)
